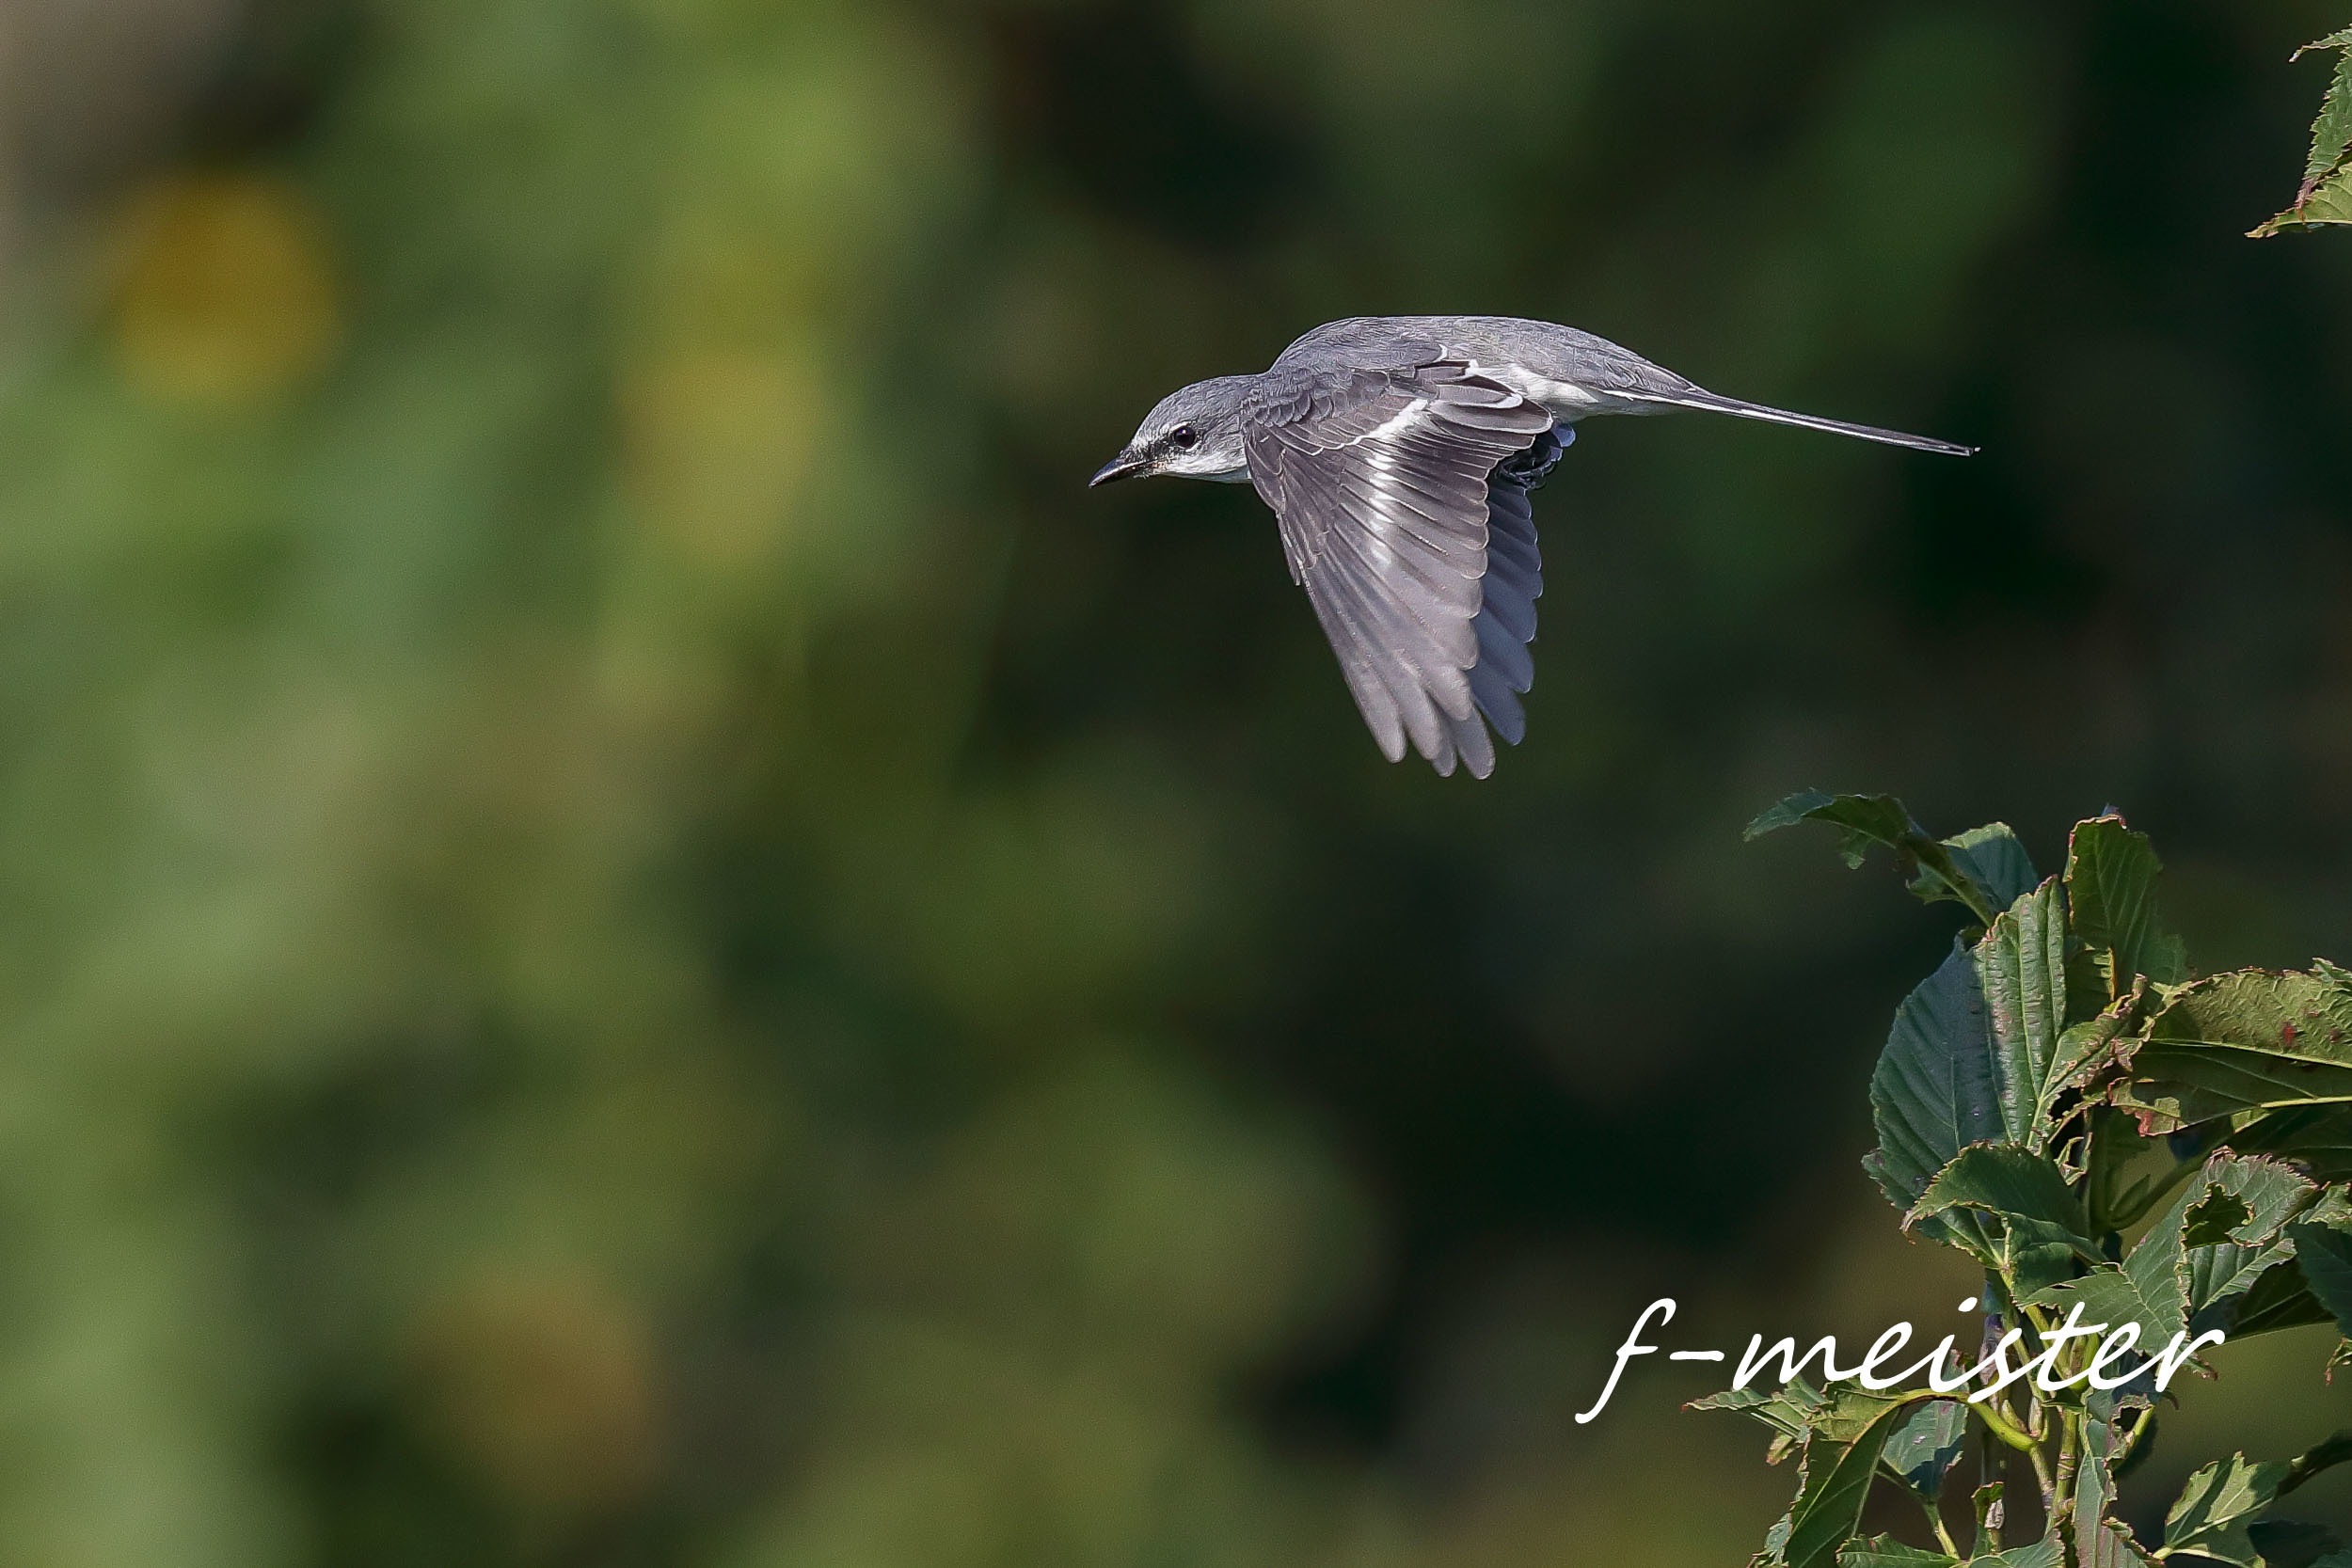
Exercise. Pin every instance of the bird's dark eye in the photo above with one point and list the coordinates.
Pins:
(1183, 437)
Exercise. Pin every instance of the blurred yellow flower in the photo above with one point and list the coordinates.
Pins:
(226, 293)
(547, 1387)
(718, 444)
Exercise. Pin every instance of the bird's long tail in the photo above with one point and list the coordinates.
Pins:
(1698, 398)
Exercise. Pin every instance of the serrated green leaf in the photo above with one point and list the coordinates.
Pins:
(2271, 1193)
(2149, 1287)
(2232, 1233)
(2283, 1297)
(2325, 195)
(1836, 1485)
(1922, 1451)
(2278, 1299)
(2330, 202)
(2317, 1138)
(2086, 1050)
(2213, 1219)
(2333, 1206)
(2077, 1048)
(1933, 1092)
(1742, 1401)
(2156, 1266)
(1789, 1411)
(1997, 861)
(2035, 1254)
(2331, 133)
(1866, 819)
(2106, 1543)
(2178, 1085)
(2250, 1039)
(2119, 1186)
(2048, 1552)
(1847, 1410)
(1863, 821)
(2323, 1255)
(2004, 1179)
(2100, 1542)
(2219, 1278)
(2021, 965)
(1884, 1551)
(2164, 1283)
(2112, 1296)
(2209, 1517)
(2111, 895)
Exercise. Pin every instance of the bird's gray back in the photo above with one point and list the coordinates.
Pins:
(1541, 348)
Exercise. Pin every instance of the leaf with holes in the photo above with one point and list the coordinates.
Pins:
(2248, 1040)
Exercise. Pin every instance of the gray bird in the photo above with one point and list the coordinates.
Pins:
(1398, 452)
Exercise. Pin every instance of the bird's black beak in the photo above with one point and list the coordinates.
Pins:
(1125, 466)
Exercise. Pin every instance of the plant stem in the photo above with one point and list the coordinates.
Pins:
(2070, 1457)
(1935, 1523)
(2131, 1441)
(2042, 1474)
(2335, 1450)
(1998, 1420)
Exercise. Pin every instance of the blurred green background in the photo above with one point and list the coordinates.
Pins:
(632, 930)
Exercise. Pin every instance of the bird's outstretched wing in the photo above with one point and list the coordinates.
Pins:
(1403, 502)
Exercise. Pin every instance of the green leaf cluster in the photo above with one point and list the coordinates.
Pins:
(2325, 194)
(2114, 1141)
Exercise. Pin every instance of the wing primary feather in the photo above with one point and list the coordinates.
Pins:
(1502, 651)
(1374, 698)
(1477, 748)
(1500, 703)
(1390, 657)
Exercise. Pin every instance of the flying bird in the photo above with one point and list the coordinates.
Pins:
(1398, 453)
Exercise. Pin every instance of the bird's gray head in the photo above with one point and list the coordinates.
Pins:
(1194, 433)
